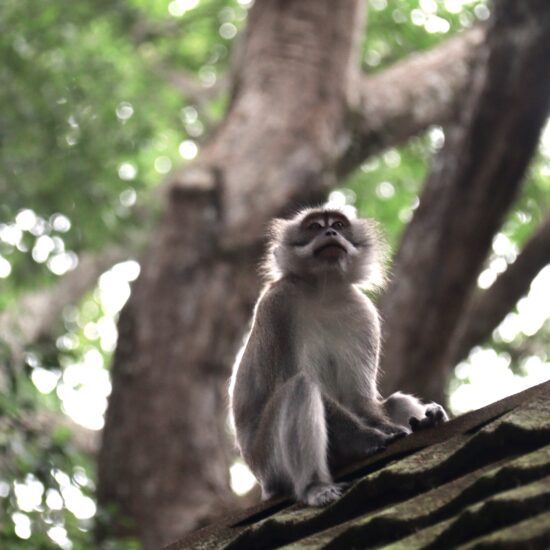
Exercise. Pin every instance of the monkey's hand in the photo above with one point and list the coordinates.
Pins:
(434, 416)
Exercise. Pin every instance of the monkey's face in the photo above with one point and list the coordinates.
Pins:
(324, 237)
(325, 242)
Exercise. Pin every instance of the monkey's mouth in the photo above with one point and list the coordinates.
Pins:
(330, 251)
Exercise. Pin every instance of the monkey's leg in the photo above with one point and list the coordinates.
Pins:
(408, 410)
(350, 438)
(302, 441)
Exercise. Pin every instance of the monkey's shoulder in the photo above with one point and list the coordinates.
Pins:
(277, 299)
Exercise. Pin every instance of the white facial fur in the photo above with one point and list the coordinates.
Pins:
(293, 248)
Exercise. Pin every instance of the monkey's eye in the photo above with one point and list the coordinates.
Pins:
(338, 225)
(314, 225)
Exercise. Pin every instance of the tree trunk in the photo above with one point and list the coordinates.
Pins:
(165, 457)
(164, 460)
(470, 189)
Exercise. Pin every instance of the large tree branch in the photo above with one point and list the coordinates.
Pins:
(408, 97)
(471, 186)
(389, 107)
(486, 311)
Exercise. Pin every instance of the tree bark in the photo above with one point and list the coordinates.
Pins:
(472, 185)
(489, 308)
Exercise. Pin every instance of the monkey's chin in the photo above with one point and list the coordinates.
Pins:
(331, 253)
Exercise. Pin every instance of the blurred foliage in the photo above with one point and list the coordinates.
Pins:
(396, 28)
(88, 117)
(90, 122)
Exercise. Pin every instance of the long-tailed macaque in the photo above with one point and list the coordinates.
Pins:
(304, 395)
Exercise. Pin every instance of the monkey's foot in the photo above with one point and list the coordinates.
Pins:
(435, 415)
(321, 494)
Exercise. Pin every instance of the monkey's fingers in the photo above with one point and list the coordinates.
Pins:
(423, 423)
(435, 415)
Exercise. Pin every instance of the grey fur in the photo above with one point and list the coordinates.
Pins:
(304, 395)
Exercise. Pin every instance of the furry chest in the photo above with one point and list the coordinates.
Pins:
(336, 353)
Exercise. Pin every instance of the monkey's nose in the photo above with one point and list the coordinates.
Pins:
(330, 233)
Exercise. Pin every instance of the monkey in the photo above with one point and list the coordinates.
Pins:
(303, 397)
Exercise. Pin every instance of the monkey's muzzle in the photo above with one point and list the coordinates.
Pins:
(330, 251)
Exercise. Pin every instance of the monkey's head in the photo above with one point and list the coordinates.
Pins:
(326, 242)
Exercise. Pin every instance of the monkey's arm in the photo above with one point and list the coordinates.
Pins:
(268, 360)
(350, 438)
